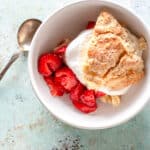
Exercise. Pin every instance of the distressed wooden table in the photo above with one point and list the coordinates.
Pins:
(24, 123)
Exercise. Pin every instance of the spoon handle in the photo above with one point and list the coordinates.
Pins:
(11, 61)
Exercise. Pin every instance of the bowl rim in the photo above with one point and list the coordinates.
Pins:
(31, 74)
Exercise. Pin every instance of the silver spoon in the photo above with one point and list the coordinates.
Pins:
(24, 37)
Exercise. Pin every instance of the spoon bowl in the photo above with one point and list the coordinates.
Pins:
(26, 33)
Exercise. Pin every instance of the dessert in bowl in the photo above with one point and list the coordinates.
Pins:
(85, 69)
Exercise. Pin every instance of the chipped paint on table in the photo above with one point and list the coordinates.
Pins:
(25, 124)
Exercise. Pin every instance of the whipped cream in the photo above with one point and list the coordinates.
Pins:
(74, 61)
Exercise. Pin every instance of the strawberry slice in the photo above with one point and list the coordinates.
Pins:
(99, 94)
(90, 25)
(76, 92)
(48, 63)
(88, 98)
(66, 78)
(84, 108)
(55, 88)
(61, 51)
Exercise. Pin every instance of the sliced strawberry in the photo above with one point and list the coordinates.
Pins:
(76, 92)
(88, 98)
(90, 25)
(55, 88)
(61, 80)
(48, 63)
(57, 79)
(61, 50)
(64, 71)
(66, 78)
(84, 108)
(99, 94)
(49, 81)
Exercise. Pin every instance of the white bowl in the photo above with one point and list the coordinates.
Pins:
(67, 22)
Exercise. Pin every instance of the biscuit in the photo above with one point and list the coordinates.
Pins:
(114, 55)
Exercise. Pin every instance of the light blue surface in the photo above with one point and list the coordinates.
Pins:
(25, 124)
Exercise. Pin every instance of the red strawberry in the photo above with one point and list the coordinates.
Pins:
(90, 25)
(57, 79)
(61, 81)
(84, 108)
(61, 50)
(55, 88)
(76, 92)
(88, 98)
(48, 63)
(66, 78)
(49, 81)
(99, 94)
